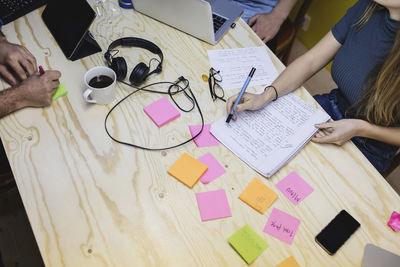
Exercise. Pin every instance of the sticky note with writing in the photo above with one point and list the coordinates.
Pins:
(258, 196)
(214, 170)
(247, 243)
(205, 138)
(294, 188)
(161, 112)
(288, 262)
(282, 226)
(213, 205)
(187, 169)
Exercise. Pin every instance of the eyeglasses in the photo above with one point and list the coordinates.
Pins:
(216, 90)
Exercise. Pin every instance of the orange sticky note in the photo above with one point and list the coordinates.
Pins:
(188, 170)
(258, 196)
(289, 262)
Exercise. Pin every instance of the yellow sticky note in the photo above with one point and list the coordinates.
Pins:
(61, 91)
(188, 170)
(289, 262)
(247, 243)
(258, 196)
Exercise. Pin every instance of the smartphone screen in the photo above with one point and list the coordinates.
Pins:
(333, 236)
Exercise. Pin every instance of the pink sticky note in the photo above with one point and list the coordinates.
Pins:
(205, 138)
(214, 170)
(213, 205)
(282, 226)
(161, 112)
(294, 188)
(394, 221)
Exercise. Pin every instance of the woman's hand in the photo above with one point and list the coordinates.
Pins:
(337, 132)
(249, 101)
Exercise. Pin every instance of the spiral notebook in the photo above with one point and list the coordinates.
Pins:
(268, 138)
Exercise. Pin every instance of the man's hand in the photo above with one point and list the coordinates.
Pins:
(16, 62)
(266, 26)
(37, 90)
(338, 132)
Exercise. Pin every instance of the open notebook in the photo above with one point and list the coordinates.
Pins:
(268, 138)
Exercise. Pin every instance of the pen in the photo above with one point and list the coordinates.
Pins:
(246, 83)
(41, 70)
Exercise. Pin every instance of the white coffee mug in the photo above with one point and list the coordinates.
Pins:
(100, 85)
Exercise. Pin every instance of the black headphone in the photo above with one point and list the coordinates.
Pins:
(141, 71)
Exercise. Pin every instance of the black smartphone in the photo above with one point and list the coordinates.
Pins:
(333, 236)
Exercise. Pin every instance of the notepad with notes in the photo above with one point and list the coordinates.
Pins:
(266, 139)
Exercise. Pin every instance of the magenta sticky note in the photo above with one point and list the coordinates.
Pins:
(394, 221)
(161, 112)
(213, 205)
(294, 188)
(282, 226)
(214, 170)
(205, 138)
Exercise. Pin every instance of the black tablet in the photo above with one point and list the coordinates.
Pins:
(69, 22)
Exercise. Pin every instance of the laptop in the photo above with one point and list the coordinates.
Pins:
(378, 257)
(11, 10)
(69, 22)
(208, 20)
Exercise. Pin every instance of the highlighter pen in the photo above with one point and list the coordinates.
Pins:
(246, 83)
(41, 70)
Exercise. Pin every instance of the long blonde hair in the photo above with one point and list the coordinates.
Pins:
(380, 103)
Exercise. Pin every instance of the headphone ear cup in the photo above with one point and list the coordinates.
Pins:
(139, 73)
(118, 65)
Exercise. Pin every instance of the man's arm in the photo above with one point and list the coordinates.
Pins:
(266, 26)
(35, 91)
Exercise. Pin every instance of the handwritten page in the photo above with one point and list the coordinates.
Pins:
(235, 65)
(258, 196)
(214, 170)
(213, 205)
(247, 243)
(187, 170)
(294, 188)
(282, 226)
(205, 139)
(161, 112)
(268, 138)
(288, 262)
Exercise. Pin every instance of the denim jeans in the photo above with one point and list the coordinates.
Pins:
(378, 153)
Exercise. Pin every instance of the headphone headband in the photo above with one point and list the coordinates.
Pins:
(136, 42)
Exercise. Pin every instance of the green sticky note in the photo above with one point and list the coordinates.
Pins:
(247, 243)
(61, 91)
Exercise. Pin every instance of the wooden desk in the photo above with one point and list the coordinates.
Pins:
(93, 202)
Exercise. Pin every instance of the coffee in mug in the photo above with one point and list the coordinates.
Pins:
(100, 85)
(100, 81)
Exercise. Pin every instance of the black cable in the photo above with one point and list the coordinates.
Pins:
(171, 93)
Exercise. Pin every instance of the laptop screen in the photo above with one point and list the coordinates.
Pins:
(68, 21)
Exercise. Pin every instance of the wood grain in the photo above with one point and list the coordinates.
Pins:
(93, 202)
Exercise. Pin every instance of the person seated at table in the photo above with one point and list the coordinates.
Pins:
(365, 48)
(18, 67)
(28, 88)
(265, 17)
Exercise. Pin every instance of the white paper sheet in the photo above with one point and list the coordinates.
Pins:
(266, 139)
(235, 65)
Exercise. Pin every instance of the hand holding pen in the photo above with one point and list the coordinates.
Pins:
(37, 90)
(238, 98)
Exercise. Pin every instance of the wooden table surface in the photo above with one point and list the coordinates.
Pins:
(93, 202)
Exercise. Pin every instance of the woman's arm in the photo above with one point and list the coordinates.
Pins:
(338, 132)
(293, 76)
